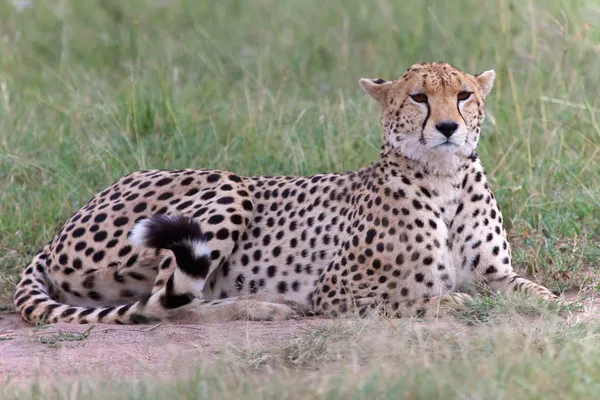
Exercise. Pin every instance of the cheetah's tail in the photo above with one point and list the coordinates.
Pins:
(35, 299)
(34, 296)
(179, 234)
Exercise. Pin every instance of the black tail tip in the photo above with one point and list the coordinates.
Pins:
(163, 231)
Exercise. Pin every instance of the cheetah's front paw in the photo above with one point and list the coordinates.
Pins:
(263, 311)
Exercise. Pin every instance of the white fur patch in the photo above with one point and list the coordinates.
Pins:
(185, 283)
(199, 248)
(139, 233)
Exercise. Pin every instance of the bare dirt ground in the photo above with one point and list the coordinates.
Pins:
(127, 351)
(28, 353)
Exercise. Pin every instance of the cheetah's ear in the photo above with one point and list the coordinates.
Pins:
(377, 88)
(486, 81)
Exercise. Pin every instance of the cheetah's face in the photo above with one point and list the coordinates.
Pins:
(433, 111)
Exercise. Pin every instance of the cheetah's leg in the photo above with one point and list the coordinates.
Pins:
(479, 244)
(437, 307)
(254, 307)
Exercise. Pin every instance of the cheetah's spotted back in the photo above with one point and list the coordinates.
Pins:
(399, 235)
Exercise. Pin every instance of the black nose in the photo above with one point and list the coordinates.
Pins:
(447, 128)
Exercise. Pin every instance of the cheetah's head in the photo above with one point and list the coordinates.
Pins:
(433, 112)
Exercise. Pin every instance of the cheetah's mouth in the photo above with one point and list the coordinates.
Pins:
(447, 143)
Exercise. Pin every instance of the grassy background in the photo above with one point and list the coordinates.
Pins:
(92, 90)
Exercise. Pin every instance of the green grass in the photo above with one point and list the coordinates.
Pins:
(54, 340)
(90, 91)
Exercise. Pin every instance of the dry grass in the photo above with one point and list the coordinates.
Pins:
(538, 355)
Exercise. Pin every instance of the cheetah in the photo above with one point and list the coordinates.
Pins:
(399, 236)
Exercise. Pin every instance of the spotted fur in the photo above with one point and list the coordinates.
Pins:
(399, 236)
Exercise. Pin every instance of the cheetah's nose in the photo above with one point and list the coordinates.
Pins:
(447, 128)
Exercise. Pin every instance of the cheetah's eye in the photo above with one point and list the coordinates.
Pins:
(462, 96)
(419, 97)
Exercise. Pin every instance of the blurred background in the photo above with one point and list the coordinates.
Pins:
(91, 90)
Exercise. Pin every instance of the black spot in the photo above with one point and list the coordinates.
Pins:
(122, 310)
(63, 259)
(165, 196)
(184, 205)
(459, 208)
(124, 251)
(98, 256)
(475, 262)
(216, 219)
(121, 221)
(132, 197)
(187, 181)
(370, 236)
(247, 205)
(140, 207)
(68, 312)
(87, 312)
(166, 264)
(491, 270)
(225, 200)
(104, 313)
(276, 251)
(245, 259)
(94, 295)
(163, 181)
(79, 232)
(212, 178)
(282, 287)
(100, 236)
(208, 195)
(77, 264)
(222, 234)
(131, 260)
